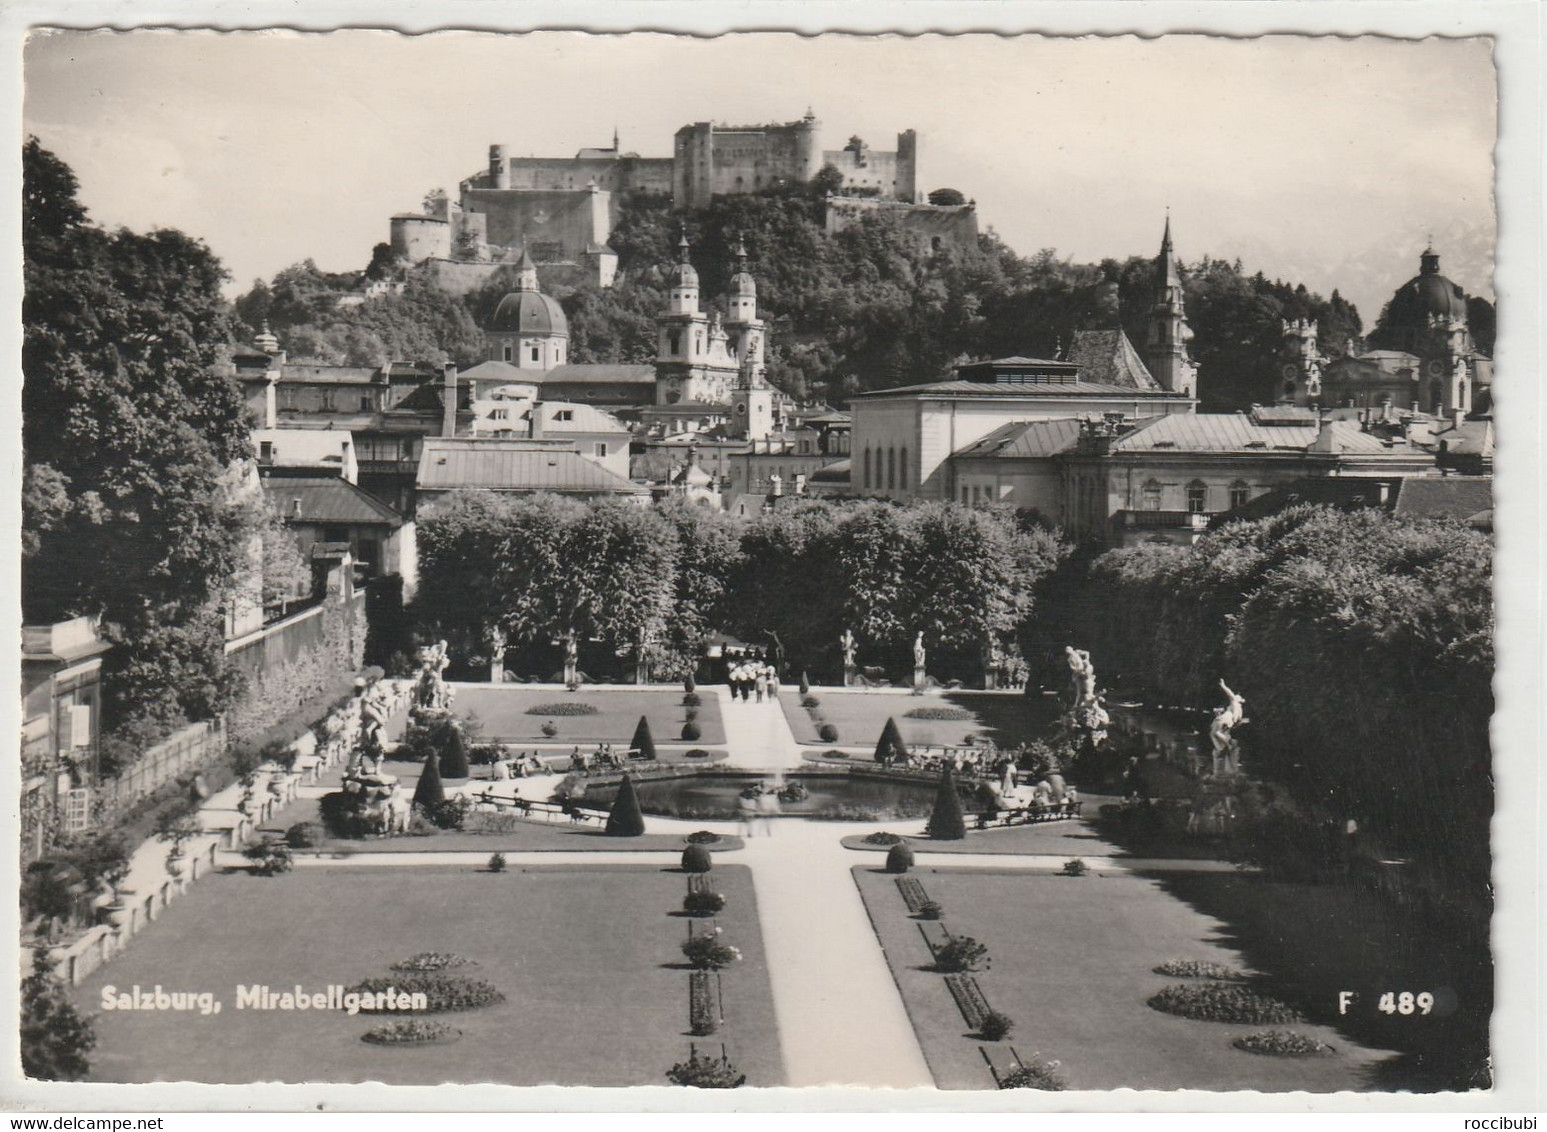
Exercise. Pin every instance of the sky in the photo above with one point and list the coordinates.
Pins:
(1324, 160)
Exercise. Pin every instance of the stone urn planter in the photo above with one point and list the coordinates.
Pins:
(177, 863)
(277, 786)
(117, 913)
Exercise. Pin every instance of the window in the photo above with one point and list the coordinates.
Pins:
(335, 533)
(327, 400)
(1239, 494)
(1152, 495)
(536, 356)
(564, 415)
(601, 449)
(287, 397)
(265, 451)
(365, 402)
(891, 469)
(1197, 496)
(510, 352)
(903, 476)
(499, 414)
(866, 481)
(964, 494)
(673, 342)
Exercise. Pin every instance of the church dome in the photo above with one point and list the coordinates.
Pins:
(684, 275)
(1428, 293)
(529, 312)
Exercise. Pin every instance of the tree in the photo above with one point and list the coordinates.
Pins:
(286, 573)
(625, 819)
(429, 792)
(56, 1039)
(828, 180)
(129, 435)
(947, 822)
(890, 748)
(643, 741)
(947, 197)
(453, 752)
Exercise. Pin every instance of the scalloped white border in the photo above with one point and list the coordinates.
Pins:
(1522, 812)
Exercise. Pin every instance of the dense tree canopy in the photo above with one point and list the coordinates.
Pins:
(130, 504)
(861, 309)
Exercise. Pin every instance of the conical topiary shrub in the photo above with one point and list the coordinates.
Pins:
(689, 684)
(805, 684)
(429, 793)
(643, 742)
(624, 819)
(947, 823)
(890, 747)
(453, 751)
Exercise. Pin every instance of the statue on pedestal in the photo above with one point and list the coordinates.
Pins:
(571, 659)
(918, 651)
(1226, 720)
(846, 642)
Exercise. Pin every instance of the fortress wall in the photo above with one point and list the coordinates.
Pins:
(556, 225)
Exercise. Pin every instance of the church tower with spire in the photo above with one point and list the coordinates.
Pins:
(1165, 350)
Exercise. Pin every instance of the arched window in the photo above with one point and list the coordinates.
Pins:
(903, 470)
(1240, 494)
(1197, 497)
(964, 494)
(866, 480)
(673, 342)
(1152, 495)
(891, 469)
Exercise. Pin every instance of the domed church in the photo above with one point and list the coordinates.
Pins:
(528, 330)
(1424, 357)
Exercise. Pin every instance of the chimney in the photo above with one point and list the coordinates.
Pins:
(1457, 415)
(448, 398)
(295, 508)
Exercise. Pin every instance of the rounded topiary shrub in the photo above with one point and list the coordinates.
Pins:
(690, 714)
(809, 701)
(961, 954)
(692, 699)
(827, 733)
(305, 835)
(899, 858)
(1224, 1002)
(689, 685)
(697, 859)
(703, 902)
(691, 732)
(995, 1026)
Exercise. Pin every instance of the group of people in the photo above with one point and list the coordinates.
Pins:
(753, 676)
(522, 765)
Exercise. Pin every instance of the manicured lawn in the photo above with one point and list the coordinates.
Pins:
(1008, 718)
(1072, 964)
(586, 958)
(502, 709)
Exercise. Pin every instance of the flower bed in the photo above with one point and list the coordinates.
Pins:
(938, 713)
(444, 993)
(1283, 1043)
(411, 1032)
(1198, 969)
(963, 953)
(1033, 1074)
(703, 1016)
(1223, 1002)
(430, 961)
(563, 707)
(708, 953)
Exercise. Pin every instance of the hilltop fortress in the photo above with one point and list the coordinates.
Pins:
(561, 211)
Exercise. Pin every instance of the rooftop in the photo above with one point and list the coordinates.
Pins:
(1237, 432)
(1026, 439)
(326, 499)
(1023, 390)
(447, 464)
(615, 374)
(1106, 357)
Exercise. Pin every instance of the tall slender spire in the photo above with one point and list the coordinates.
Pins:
(615, 139)
(1166, 270)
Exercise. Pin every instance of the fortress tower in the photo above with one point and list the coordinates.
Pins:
(1301, 365)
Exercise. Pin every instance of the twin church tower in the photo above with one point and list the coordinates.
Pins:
(701, 359)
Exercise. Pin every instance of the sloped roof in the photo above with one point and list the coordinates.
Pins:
(1025, 440)
(500, 371)
(448, 463)
(1236, 432)
(839, 471)
(1455, 497)
(1106, 357)
(1029, 390)
(1469, 438)
(327, 499)
(616, 374)
(1286, 415)
(582, 418)
(652, 465)
(341, 375)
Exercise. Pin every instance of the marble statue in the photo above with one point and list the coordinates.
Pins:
(847, 643)
(918, 651)
(1226, 720)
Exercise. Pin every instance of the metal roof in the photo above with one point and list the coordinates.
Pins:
(581, 418)
(514, 465)
(612, 374)
(1236, 432)
(326, 499)
(1106, 357)
(1053, 389)
(1457, 497)
(1026, 439)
